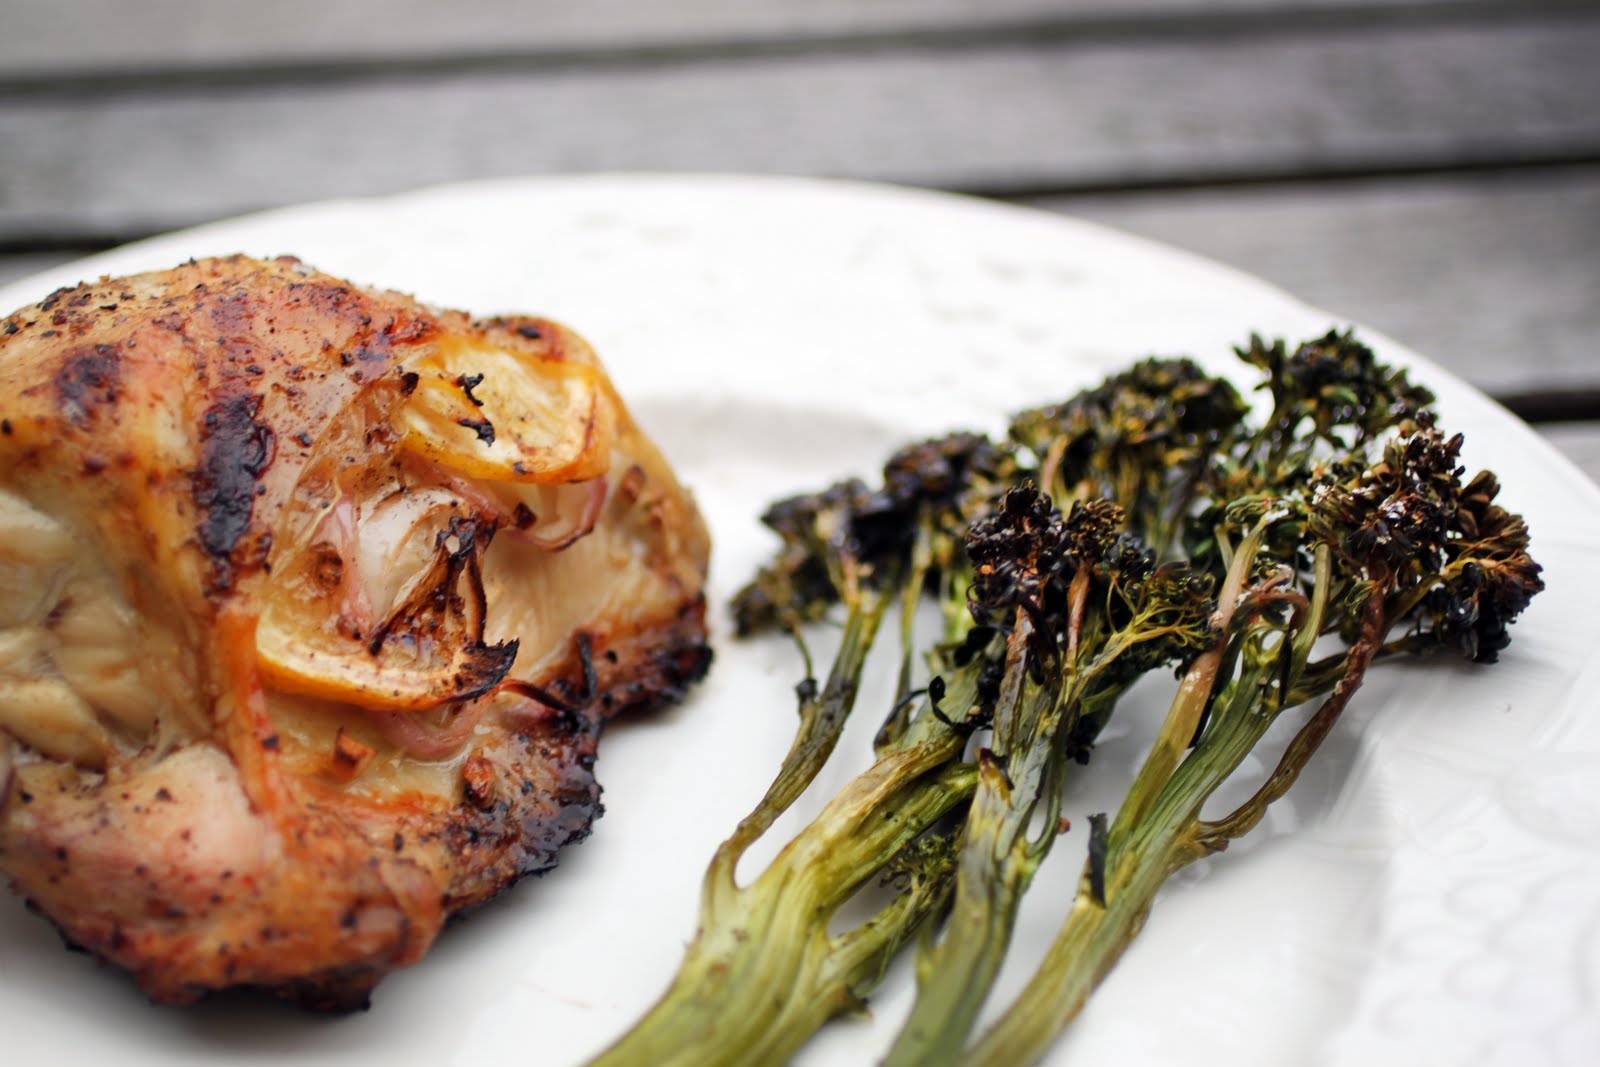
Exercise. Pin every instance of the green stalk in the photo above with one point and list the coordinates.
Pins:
(1099, 927)
(974, 940)
(822, 719)
(1169, 834)
(766, 948)
(1194, 693)
(852, 963)
(995, 867)
(1216, 835)
(998, 860)
(763, 971)
(727, 916)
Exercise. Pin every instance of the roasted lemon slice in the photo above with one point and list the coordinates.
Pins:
(496, 414)
(423, 650)
(382, 603)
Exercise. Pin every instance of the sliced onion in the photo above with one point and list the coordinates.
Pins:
(475, 494)
(338, 528)
(398, 539)
(564, 513)
(420, 734)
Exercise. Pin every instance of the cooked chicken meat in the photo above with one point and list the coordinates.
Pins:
(313, 602)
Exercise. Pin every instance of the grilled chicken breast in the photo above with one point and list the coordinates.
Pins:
(312, 604)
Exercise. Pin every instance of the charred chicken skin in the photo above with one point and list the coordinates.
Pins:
(313, 601)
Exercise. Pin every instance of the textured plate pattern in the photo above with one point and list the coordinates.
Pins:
(1426, 895)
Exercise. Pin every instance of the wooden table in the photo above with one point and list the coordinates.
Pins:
(1430, 168)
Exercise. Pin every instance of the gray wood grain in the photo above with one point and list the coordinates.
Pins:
(1493, 276)
(54, 36)
(1109, 113)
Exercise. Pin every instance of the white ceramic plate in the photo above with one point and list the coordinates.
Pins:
(1428, 894)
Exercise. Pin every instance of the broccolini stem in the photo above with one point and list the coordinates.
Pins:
(1216, 834)
(1168, 834)
(911, 592)
(855, 961)
(1089, 944)
(1194, 694)
(1100, 926)
(1043, 699)
(822, 719)
(975, 938)
(996, 865)
(763, 972)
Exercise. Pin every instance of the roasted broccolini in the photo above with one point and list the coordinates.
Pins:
(1147, 523)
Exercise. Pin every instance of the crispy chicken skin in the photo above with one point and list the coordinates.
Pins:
(313, 601)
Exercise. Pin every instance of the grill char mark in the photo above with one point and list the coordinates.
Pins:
(235, 451)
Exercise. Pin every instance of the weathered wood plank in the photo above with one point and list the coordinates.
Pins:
(45, 36)
(1110, 113)
(1493, 276)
